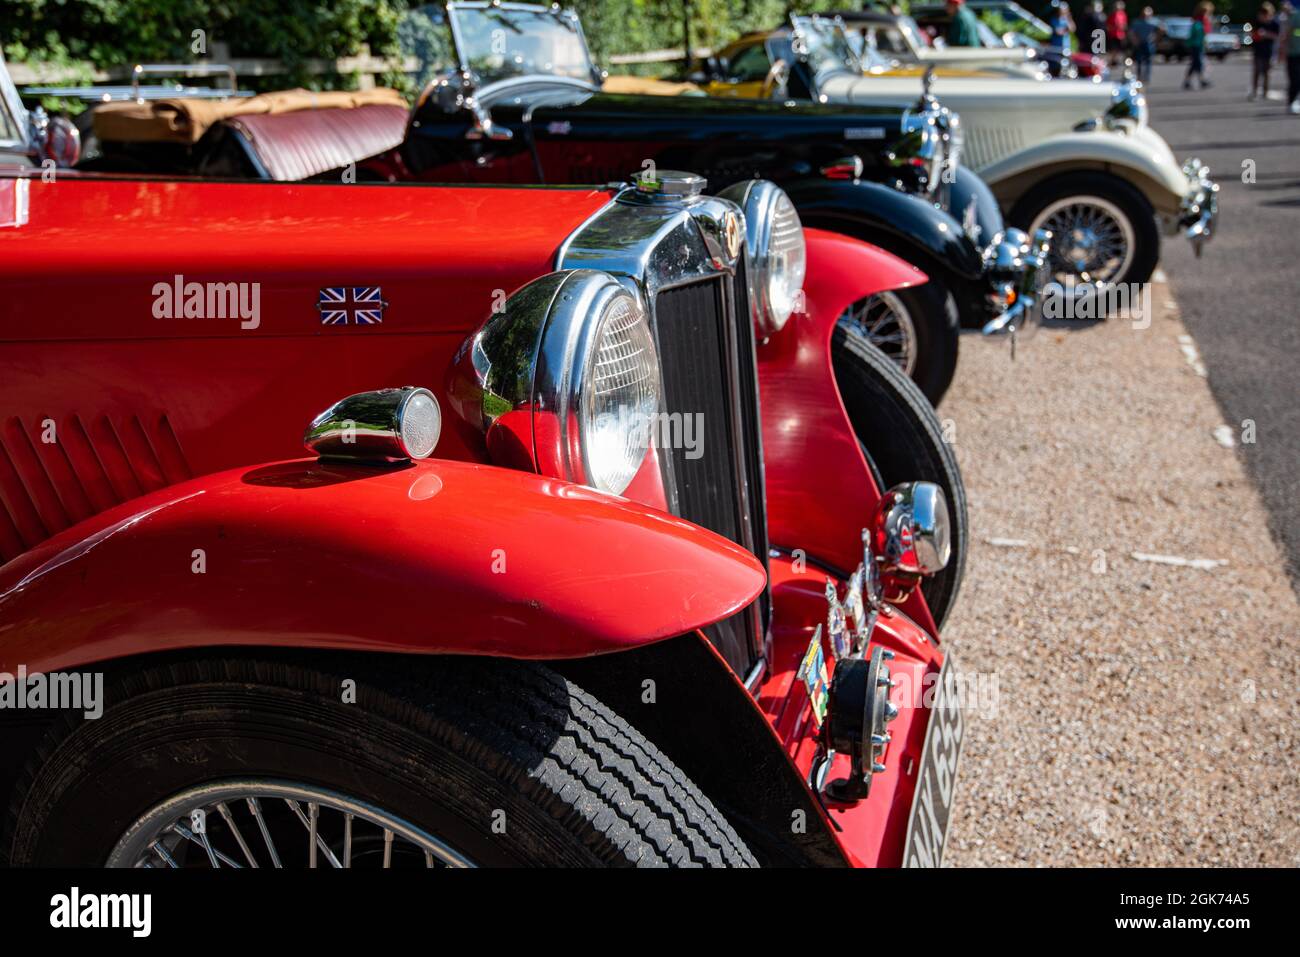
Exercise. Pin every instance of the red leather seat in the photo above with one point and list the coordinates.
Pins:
(305, 143)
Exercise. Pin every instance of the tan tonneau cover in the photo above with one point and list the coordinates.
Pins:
(185, 120)
(621, 83)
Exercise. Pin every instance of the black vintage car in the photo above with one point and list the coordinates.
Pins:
(524, 102)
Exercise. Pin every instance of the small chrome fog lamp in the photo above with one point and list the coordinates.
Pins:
(387, 425)
(913, 531)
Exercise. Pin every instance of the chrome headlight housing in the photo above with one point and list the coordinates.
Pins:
(921, 146)
(1128, 107)
(564, 380)
(777, 252)
(913, 530)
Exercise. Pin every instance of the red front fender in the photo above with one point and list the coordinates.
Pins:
(439, 557)
(820, 491)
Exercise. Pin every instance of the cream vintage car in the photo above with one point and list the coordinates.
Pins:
(1076, 158)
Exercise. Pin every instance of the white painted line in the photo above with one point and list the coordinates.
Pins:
(1223, 435)
(1204, 564)
(1008, 542)
(1193, 357)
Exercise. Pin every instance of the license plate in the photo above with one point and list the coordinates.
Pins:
(927, 828)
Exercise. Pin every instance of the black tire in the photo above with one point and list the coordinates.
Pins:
(446, 744)
(932, 315)
(903, 440)
(1129, 200)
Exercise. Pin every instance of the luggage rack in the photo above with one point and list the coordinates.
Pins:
(159, 91)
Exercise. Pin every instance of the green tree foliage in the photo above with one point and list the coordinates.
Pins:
(121, 32)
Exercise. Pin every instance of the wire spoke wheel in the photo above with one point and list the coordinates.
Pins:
(276, 824)
(1093, 240)
(886, 322)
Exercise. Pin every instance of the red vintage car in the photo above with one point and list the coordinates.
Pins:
(548, 587)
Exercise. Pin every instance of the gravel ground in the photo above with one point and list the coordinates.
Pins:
(1147, 713)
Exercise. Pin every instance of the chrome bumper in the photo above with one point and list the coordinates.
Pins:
(1199, 206)
(1021, 265)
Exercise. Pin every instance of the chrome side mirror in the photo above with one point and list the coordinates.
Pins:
(387, 425)
(56, 139)
(483, 128)
(913, 530)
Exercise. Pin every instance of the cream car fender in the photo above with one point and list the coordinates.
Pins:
(1140, 157)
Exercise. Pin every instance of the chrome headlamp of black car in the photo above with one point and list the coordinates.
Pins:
(921, 147)
(777, 251)
(954, 139)
(1017, 264)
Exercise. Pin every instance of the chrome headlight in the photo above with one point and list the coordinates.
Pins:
(1128, 107)
(921, 147)
(913, 530)
(564, 380)
(777, 251)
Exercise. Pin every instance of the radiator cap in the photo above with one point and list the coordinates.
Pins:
(669, 182)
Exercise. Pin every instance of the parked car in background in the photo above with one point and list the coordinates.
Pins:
(363, 656)
(31, 137)
(1077, 159)
(1242, 31)
(891, 176)
(1171, 42)
(1011, 16)
(900, 37)
(1221, 43)
(933, 19)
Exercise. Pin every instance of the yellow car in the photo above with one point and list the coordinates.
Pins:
(759, 65)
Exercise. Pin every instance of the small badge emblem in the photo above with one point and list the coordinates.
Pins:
(812, 671)
(351, 305)
(559, 128)
(836, 626)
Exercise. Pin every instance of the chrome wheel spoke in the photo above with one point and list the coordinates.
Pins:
(161, 851)
(229, 818)
(202, 841)
(314, 840)
(255, 806)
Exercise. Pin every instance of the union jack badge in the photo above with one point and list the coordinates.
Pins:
(357, 305)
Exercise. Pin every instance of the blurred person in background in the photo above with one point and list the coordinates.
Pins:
(1092, 24)
(1290, 44)
(963, 29)
(1062, 25)
(1142, 37)
(1265, 30)
(1196, 45)
(1117, 32)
